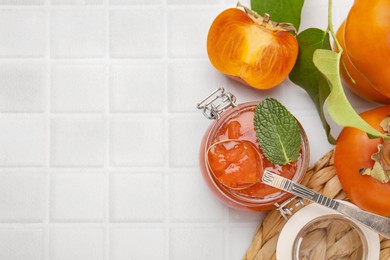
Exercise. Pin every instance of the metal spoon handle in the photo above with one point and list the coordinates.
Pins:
(375, 222)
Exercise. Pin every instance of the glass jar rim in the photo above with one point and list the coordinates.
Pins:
(243, 200)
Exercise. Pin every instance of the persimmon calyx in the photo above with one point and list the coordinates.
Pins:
(381, 168)
(266, 22)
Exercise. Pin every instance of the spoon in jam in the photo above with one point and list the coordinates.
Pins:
(236, 164)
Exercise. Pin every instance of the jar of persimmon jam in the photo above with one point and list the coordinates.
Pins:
(235, 122)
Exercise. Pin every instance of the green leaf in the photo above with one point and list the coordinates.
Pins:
(337, 104)
(277, 132)
(282, 11)
(306, 75)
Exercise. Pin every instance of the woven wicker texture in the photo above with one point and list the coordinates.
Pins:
(322, 178)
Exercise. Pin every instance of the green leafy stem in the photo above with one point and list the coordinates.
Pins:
(337, 104)
(340, 110)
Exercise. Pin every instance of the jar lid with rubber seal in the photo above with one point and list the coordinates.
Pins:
(230, 154)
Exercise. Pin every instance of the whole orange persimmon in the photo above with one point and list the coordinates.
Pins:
(251, 48)
(353, 153)
(365, 38)
(362, 86)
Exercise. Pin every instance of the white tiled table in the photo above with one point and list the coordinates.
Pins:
(99, 135)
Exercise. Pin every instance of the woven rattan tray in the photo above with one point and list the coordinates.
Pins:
(320, 177)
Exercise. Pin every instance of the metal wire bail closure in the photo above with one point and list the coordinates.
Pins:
(216, 102)
(287, 211)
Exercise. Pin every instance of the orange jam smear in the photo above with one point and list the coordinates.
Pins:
(236, 164)
(240, 158)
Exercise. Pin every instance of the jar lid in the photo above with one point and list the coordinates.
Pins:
(291, 232)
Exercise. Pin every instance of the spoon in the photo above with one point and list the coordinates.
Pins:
(234, 163)
(377, 223)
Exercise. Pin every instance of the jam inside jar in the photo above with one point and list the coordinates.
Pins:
(236, 124)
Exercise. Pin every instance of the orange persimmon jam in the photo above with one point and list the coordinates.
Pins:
(232, 162)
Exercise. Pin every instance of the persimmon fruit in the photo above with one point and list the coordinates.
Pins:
(365, 39)
(251, 48)
(362, 86)
(352, 153)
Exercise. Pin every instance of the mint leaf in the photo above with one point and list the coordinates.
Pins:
(282, 11)
(337, 104)
(277, 132)
(306, 75)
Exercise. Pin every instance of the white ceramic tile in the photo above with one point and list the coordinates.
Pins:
(185, 135)
(77, 244)
(78, 142)
(193, 243)
(359, 104)
(135, 2)
(22, 2)
(245, 93)
(189, 82)
(233, 3)
(123, 162)
(137, 87)
(194, 2)
(314, 14)
(137, 243)
(22, 142)
(137, 141)
(78, 33)
(343, 8)
(78, 88)
(136, 33)
(239, 240)
(347, 3)
(28, 203)
(21, 244)
(23, 33)
(77, 197)
(245, 216)
(187, 31)
(77, 2)
(294, 97)
(195, 204)
(137, 197)
(23, 87)
(319, 8)
(316, 136)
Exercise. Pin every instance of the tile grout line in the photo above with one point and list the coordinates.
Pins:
(114, 60)
(48, 134)
(107, 249)
(98, 114)
(166, 130)
(119, 224)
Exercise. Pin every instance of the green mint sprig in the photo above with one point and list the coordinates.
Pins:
(277, 132)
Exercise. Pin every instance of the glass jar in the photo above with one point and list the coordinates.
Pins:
(317, 232)
(236, 122)
(321, 236)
